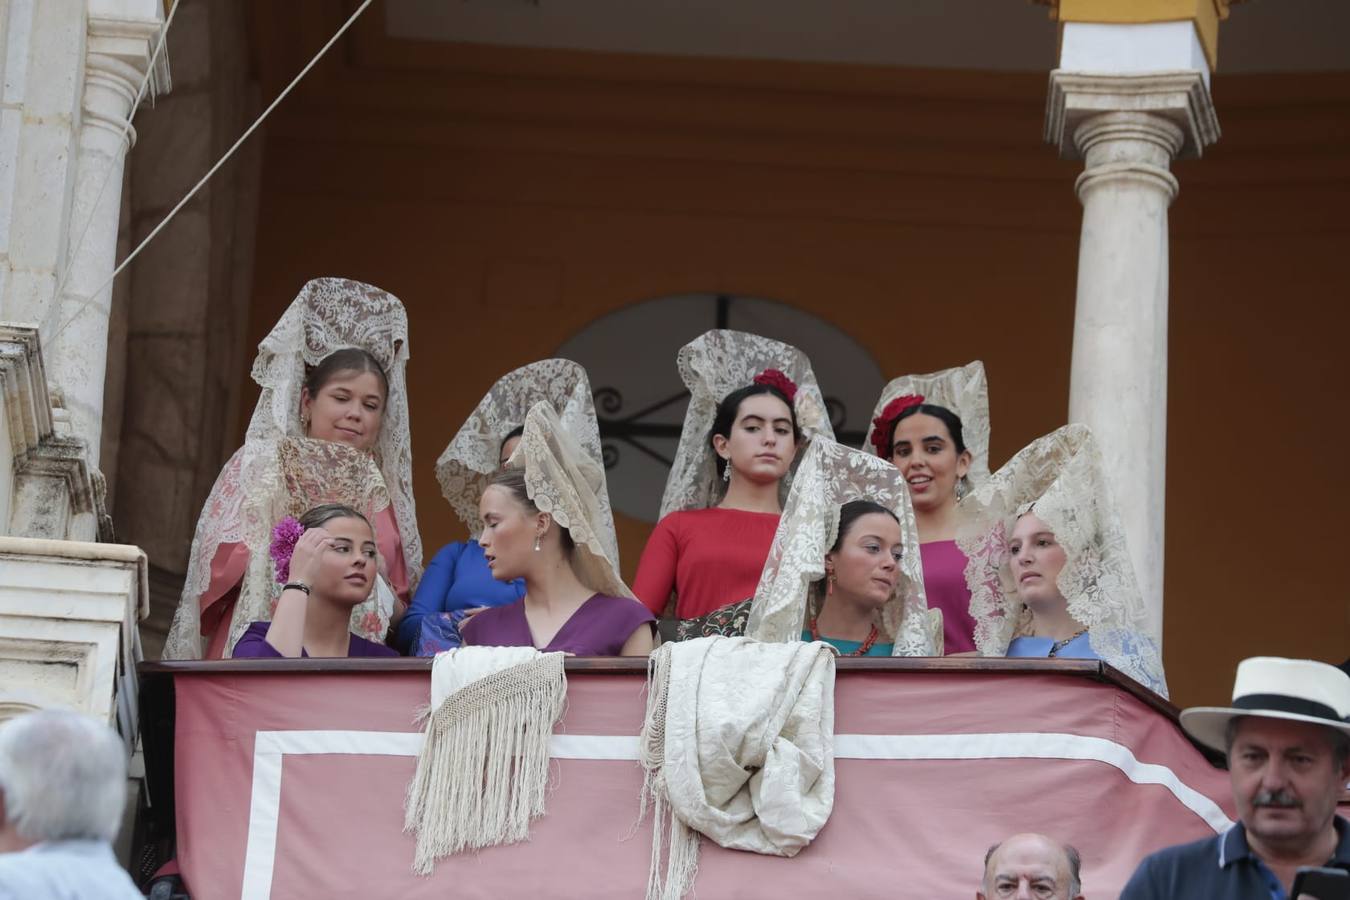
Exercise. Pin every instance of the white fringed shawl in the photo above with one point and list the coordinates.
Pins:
(738, 744)
(483, 768)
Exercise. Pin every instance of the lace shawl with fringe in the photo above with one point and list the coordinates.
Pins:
(712, 366)
(260, 485)
(329, 314)
(1061, 477)
(965, 391)
(471, 457)
(564, 481)
(829, 476)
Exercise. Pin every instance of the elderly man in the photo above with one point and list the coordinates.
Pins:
(1031, 867)
(62, 789)
(1287, 736)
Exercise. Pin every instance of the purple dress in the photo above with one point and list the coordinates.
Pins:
(600, 627)
(253, 645)
(944, 582)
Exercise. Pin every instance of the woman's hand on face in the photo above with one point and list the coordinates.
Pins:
(307, 558)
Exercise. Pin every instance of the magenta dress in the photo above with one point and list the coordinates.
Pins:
(253, 645)
(944, 581)
(600, 627)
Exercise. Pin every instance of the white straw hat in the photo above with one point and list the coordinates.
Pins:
(1300, 690)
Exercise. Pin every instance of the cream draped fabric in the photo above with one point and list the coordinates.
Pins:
(566, 482)
(712, 366)
(260, 486)
(482, 771)
(829, 476)
(1061, 479)
(329, 314)
(471, 458)
(737, 745)
(963, 390)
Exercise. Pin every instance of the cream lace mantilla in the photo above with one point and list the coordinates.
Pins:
(712, 366)
(568, 484)
(1060, 477)
(964, 391)
(737, 745)
(471, 457)
(329, 314)
(262, 484)
(829, 476)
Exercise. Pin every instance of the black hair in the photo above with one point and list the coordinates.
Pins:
(730, 408)
(326, 512)
(513, 433)
(513, 479)
(949, 418)
(348, 359)
(851, 512)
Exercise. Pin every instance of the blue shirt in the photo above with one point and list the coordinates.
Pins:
(458, 578)
(65, 870)
(1222, 866)
(1039, 647)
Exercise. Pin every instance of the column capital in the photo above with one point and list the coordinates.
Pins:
(1204, 15)
(1181, 98)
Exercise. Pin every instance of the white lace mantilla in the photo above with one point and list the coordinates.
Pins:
(712, 366)
(963, 390)
(328, 315)
(1061, 478)
(262, 484)
(471, 458)
(831, 475)
(565, 482)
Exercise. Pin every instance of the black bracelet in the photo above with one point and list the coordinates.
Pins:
(295, 585)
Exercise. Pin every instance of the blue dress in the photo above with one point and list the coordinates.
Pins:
(1039, 647)
(848, 648)
(458, 579)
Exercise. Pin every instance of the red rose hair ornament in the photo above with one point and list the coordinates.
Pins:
(776, 379)
(881, 425)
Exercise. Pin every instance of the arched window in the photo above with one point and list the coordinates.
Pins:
(640, 400)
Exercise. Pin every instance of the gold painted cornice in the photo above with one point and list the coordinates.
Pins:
(1204, 14)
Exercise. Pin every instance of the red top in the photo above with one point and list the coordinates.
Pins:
(708, 557)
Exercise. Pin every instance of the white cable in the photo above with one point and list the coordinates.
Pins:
(224, 159)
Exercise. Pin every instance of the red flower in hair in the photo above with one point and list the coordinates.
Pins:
(776, 379)
(881, 425)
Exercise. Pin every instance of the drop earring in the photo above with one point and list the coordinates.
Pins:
(726, 473)
(537, 545)
(829, 585)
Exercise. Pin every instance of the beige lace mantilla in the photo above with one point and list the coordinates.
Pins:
(261, 485)
(468, 462)
(565, 482)
(712, 366)
(829, 476)
(1061, 478)
(963, 390)
(328, 315)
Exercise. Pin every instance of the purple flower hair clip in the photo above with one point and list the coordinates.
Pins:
(284, 535)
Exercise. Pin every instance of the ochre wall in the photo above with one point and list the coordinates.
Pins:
(510, 197)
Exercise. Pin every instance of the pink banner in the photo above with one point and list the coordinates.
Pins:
(291, 786)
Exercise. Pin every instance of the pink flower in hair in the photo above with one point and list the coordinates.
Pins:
(284, 535)
(881, 425)
(776, 379)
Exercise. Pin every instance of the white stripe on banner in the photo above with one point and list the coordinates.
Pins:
(271, 746)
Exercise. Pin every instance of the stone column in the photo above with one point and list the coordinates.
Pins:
(1128, 129)
(120, 39)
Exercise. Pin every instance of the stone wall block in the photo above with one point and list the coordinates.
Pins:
(44, 183)
(55, 59)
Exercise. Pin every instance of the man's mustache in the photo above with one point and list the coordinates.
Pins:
(1276, 800)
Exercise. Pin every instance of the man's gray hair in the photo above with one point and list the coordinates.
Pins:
(1071, 854)
(63, 776)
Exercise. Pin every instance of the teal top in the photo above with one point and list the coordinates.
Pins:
(847, 648)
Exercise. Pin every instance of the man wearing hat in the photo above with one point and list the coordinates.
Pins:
(1287, 737)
